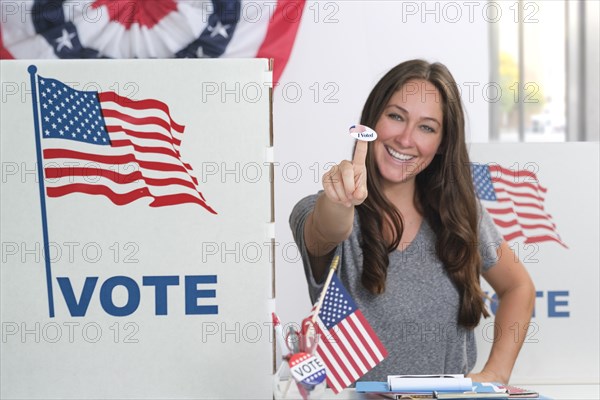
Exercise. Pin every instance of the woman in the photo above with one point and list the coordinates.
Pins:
(413, 238)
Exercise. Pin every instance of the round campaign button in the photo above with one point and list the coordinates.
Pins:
(307, 369)
(362, 132)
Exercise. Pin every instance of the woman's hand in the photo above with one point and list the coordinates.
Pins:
(346, 183)
(331, 221)
(487, 376)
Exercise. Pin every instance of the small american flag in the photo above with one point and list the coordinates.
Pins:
(515, 201)
(109, 145)
(348, 345)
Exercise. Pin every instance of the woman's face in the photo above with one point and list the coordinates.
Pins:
(409, 132)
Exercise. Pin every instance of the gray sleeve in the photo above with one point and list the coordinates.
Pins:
(489, 239)
(297, 221)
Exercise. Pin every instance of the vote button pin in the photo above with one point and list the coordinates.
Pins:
(307, 369)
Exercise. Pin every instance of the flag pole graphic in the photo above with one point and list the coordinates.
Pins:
(32, 69)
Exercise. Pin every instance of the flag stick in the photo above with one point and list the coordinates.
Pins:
(332, 268)
(32, 69)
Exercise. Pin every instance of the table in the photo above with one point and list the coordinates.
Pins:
(589, 391)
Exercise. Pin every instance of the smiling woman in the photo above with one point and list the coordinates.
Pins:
(411, 235)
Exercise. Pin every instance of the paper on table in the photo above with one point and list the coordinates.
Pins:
(423, 383)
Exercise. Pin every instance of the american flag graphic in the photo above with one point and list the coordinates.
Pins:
(348, 345)
(109, 145)
(515, 201)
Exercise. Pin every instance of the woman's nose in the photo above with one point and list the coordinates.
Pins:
(405, 136)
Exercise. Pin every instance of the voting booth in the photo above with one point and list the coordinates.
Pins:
(543, 198)
(136, 229)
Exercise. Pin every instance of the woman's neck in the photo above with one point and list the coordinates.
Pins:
(402, 195)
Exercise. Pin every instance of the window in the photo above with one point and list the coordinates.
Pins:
(545, 57)
(529, 64)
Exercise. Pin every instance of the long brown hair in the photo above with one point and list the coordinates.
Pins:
(444, 194)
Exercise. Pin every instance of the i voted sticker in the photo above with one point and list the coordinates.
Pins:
(307, 369)
(362, 132)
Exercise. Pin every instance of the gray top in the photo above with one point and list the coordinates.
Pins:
(416, 317)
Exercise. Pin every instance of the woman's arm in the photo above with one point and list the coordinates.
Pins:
(330, 222)
(516, 296)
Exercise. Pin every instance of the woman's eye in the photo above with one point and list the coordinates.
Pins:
(427, 128)
(396, 117)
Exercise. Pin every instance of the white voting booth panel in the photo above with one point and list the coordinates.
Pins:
(148, 293)
(562, 341)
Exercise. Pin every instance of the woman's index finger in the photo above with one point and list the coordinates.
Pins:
(360, 153)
